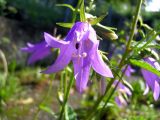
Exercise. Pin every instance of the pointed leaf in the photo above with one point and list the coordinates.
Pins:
(47, 109)
(94, 21)
(66, 25)
(66, 5)
(144, 65)
(69, 113)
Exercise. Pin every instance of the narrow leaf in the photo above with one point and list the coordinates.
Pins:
(144, 65)
(66, 5)
(47, 109)
(66, 25)
(94, 21)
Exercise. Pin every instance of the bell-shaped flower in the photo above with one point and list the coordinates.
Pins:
(123, 94)
(38, 51)
(152, 80)
(81, 47)
(129, 70)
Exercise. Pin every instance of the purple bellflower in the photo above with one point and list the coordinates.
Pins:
(81, 47)
(152, 80)
(122, 91)
(38, 51)
(129, 71)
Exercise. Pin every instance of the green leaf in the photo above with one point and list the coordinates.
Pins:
(69, 113)
(66, 25)
(66, 5)
(144, 65)
(104, 28)
(47, 109)
(82, 12)
(94, 21)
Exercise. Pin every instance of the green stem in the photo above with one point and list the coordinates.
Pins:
(66, 96)
(127, 51)
(76, 11)
(44, 99)
(135, 20)
(114, 89)
(2, 56)
(134, 24)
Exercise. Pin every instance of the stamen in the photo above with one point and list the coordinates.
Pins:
(84, 54)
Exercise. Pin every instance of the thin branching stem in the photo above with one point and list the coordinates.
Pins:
(121, 64)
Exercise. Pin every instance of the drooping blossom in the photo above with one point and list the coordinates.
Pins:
(38, 51)
(122, 91)
(81, 47)
(152, 80)
(129, 70)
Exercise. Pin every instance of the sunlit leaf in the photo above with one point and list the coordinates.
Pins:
(47, 109)
(94, 21)
(144, 65)
(69, 113)
(66, 25)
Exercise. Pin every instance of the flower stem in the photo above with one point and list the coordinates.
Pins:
(134, 24)
(127, 51)
(66, 96)
(44, 99)
(2, 56)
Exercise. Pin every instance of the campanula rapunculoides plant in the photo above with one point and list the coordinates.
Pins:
(81, 47)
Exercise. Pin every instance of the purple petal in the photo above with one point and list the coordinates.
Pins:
(62, 60)
(53, 42)
(120, 101)
(39, 54)
(79, 27)
(156, 90)
(149, 77)
(81, 72)
(117, 100)
(38, 51)
(146, 90)
(129, 71)
(99, 66)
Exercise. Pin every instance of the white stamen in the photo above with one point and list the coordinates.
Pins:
(79, 55)
(84, 54)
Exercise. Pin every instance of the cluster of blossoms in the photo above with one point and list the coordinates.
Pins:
(122, 91)
(151, 79)
(80, 46)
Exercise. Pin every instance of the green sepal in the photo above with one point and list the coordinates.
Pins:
(66, 25)
(94, 21)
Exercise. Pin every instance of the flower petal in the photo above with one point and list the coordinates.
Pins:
(39, 54)
(81, 72)
(156, 90)
(146, 90)
(99, 66)
(53, 42)
(62, 60)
